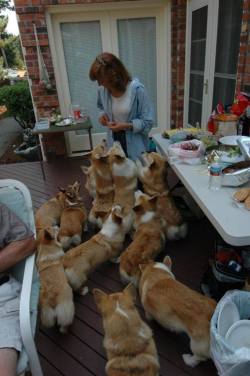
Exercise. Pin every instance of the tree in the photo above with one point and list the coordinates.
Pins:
(5, 4)
(3, 23)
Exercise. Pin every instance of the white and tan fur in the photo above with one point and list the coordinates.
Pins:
(90, 184)
(124, 173)
(73, 221)
(148, 240)
(107, 244)
(49, 214)
(103, 183)
(177, 307)
(128, 340)
(56, 296)
(153, 173)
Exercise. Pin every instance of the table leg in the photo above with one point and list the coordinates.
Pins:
(40, 156)
(90, 139)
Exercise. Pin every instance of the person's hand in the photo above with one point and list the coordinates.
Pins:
(117, 126)
(104, 119)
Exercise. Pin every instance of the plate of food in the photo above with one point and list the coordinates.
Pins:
(230, 140)
(63, 123)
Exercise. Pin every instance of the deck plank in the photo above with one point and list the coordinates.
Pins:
(81, 351)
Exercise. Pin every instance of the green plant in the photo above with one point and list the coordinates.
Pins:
(18, 101)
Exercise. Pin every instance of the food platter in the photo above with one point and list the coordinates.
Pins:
(230, 140)
(63, 123)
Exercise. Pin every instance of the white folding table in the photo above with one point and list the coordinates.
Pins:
(231, 221)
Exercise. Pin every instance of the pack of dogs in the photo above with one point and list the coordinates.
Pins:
(119, 209)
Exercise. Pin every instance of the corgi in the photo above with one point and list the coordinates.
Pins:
(128, 340)
(73, 222)
(90, 184)
(152, 173)
(56, 296)
(106, 244)
(104, 183)
(177, 307)
(148, 241)
(124, 172)
(49, 213)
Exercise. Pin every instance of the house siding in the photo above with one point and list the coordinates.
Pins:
(33, 11)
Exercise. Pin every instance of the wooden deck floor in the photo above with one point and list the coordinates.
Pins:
(80, 352)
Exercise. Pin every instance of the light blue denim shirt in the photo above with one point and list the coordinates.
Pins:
(140, 115)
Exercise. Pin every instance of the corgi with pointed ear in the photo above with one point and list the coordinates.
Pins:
(49, 214)
(103, 181)
(177, 307)
(128, 340)
(107, 244)
(152, 170)
(148, 240)
(124, 174)
(56, 297)
(90, 184)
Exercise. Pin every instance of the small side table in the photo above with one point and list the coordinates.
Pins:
(78, 126)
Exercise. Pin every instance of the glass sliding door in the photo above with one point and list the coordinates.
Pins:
(227, 50)
(197, 64)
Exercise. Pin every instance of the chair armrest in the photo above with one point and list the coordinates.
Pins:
(25, 316)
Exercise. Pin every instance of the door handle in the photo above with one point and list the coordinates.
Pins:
(205, 84)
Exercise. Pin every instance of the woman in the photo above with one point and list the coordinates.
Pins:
(125, 108)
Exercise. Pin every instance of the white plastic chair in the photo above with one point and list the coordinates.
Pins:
(16, 196)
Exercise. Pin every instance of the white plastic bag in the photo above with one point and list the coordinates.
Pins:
(190, 152)
(230, 361)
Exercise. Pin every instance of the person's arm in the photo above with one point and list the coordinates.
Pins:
(145, 120)
(16, 251)
(103, 117)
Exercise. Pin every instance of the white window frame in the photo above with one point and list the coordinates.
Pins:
(89, 12)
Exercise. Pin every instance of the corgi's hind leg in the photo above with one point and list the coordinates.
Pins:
(200, 349)
(76, 239)
(83, 290)
(48, 316)
(65, 315)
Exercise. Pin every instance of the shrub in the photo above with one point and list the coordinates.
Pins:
(18, 101)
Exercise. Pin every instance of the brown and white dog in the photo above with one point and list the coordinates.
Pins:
(124, 173)
(103, 182)
(90, 184)
(107, 244)
(176, 307)
(152, 173)
(148, 241)
(128, 340)
(56, 297)
(49, 213)
(73, 223)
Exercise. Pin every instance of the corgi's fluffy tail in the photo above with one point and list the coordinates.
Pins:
(177, 232)
(125, 278)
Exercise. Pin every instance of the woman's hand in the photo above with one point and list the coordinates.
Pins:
(104, 119)
(117, 126)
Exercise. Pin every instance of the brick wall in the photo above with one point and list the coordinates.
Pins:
(243, 71)
(178, 35)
